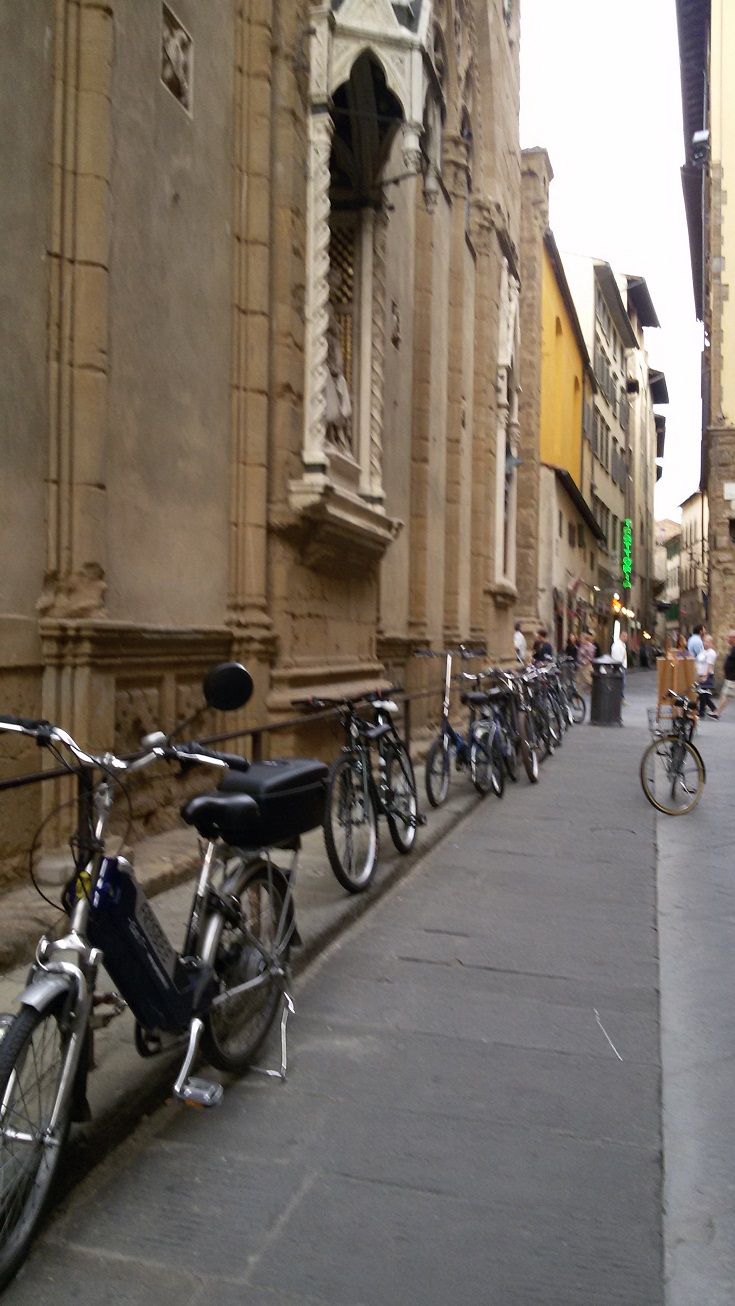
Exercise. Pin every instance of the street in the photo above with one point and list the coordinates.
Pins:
(482, 1085)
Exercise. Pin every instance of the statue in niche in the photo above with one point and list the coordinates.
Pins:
(338, 413)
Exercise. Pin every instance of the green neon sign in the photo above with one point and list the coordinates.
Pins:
(627, 561)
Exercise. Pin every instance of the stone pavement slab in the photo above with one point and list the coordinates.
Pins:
(457, 1124)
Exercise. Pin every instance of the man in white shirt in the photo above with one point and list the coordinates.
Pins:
(519, 642)
(619, 653)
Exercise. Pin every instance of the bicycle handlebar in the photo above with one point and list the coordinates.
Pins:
(191, 753)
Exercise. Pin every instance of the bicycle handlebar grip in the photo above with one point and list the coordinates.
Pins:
(233, 760)
(25, 723)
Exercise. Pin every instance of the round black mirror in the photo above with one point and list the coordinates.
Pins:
(227, 686)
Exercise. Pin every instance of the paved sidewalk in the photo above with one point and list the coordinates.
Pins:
(473, 1108)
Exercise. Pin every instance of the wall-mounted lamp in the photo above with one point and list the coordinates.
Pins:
(700, 147)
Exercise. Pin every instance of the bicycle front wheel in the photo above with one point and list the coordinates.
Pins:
(350, 824)
(249, 952)
(36, 1105)
(402, 807)
(672, 775)
(438, 767)
(529, 750)
(579, 708)
(486, 764)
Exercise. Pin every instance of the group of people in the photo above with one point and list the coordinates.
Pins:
(700, 646)
(583, 648)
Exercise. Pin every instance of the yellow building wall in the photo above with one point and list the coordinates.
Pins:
(722, 128)
(562, 380)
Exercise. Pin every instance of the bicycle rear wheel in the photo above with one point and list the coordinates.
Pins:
(350, 824)
(438, 769)
(402, 807)
(35, 1113)
(672, 775)
(252, 949)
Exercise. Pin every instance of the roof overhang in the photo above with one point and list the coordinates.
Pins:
(693, 23)
(640, 296)
(569, 485)
(657, 385)
(691, 184)
(614, 300)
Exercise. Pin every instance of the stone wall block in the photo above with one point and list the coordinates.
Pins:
(91, 296)
(95, 49)
(254, 352)
(260, 142)
(259, 210)
(90, 502)
(90, 420)
(258, 279)
(93, 220)
(94, 144)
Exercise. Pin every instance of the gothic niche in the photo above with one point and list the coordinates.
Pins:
(366, 115)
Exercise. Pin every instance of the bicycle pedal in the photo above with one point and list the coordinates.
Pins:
(201, 1093)
(420, 818)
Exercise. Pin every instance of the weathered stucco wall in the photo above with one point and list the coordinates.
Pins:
(25, 129)
(170, 322)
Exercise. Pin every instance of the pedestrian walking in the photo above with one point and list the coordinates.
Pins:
(585, 654)
(519, 643)
(619, 653)
(695, 643)
(706, 675)
(542, 649)
(728, 686)
(570, 650)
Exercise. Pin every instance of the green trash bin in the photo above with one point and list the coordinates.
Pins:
(607, 692)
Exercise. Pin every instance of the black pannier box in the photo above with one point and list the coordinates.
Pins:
(290, 793)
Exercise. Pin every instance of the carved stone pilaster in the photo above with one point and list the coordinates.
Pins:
(412, 146)
(321, 128)
(377, 362)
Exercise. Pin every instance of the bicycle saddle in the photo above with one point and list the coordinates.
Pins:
(232, 817)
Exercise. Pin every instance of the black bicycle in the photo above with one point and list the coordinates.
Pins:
(221, 992)
(672, 770)
(357, 795)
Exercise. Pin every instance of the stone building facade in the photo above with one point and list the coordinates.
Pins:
(558, 536)
(260, 349)
(707, 50)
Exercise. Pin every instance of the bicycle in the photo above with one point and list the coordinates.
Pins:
(222, 992)
(514, 707)
(438, 763)
(575, 701)
(672, 770)
(355, 798)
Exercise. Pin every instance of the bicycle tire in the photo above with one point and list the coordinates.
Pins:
(486, 763)
(529, 751)
(402, 809)
(254, 949)
(671, 786)
(543, 731)
(438, 771)
(579, 708)
(508, 750)
(350, 824)
(33, 1059)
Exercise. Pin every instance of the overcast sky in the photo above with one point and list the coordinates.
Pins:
(600, 91)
